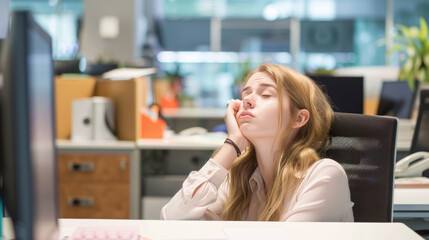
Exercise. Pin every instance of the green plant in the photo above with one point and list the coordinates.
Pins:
(244, 70)
(413, 44)
(322, 72)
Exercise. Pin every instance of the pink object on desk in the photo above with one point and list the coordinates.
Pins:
(105, 233)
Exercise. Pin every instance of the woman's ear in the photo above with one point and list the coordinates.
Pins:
(302, 118)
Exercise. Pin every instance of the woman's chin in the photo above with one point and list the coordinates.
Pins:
(255, 134)
(247, 133)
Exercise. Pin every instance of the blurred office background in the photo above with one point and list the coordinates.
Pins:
(211, 43)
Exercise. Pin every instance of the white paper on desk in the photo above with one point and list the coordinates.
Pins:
(254, 234)
(128, 73)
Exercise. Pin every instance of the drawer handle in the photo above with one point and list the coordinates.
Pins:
(81, 167)
(123, 164)
(81, 202)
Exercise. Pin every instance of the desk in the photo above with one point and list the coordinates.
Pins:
(181, 143)
(182, 118)
(411, 203)
(195, 113)
(404, 137)
(157, 229)
(112, 147)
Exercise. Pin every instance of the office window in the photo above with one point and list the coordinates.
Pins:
(408, 13)
(60, 19)
(333, 34)
(224, 8)
(347, 36)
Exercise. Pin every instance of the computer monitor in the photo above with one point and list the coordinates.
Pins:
(27, 139)
(346, 93)
(4, 18)
(397, 99)
(420, 140)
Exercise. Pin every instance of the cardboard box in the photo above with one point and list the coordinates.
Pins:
(68, 88)
(129, 96)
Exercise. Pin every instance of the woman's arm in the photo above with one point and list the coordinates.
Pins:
(201, 190)
(323, 197)
(202, 194)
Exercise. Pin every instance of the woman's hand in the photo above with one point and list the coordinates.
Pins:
(227, 153)
(234, 132)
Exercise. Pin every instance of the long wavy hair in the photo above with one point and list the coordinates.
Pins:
(295, 156)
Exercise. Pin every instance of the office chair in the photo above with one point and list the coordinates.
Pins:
(366, 148)
(420, 140)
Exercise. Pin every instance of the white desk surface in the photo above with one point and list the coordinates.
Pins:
(102, 145)
(182, 143)
(199, 113)
(405, 131)
(157, 229)
(411, 202)
(168, 144)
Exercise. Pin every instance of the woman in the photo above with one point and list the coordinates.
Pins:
(281, 126)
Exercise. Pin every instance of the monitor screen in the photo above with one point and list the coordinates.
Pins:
(396, 99)
(4, 18)
(421, 132)
(27, 130)
(345, 93)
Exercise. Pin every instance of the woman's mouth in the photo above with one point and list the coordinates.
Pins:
(245, 115)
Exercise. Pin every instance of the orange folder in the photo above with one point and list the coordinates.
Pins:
(152, 127)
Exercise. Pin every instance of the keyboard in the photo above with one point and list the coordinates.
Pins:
(105, 233)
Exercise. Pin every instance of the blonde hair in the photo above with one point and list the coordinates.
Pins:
(295, 156)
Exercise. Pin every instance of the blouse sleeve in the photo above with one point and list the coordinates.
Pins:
(324, 198)
(208, 200)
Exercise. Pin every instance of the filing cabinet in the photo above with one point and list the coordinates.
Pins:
(94, 185)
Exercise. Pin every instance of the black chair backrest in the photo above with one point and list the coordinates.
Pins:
(366, 148)
(397, 99)
(421, 132)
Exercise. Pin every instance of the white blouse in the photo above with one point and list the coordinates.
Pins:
(322, 196)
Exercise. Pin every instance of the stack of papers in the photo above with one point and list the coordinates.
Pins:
(128, 73)
(412, 182)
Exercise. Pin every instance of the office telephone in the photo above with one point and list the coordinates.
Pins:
(193, 131)
(414, 165)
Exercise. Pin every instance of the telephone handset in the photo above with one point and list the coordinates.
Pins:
(413, 165)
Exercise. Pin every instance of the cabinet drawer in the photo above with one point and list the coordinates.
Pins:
(93, 168)
(94, 201)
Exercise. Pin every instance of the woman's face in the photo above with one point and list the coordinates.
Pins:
(258, 116)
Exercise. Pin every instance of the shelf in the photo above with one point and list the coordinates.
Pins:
(200, 142)
(181, 143)
(197, 113)
(98, 145)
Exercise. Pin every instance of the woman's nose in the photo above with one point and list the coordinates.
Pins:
(248, 102)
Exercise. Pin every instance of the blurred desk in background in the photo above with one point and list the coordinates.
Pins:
(411, 203)
(404, 137)
(370, 106)
(183, 118)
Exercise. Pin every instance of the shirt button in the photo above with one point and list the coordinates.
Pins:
(209, 172)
